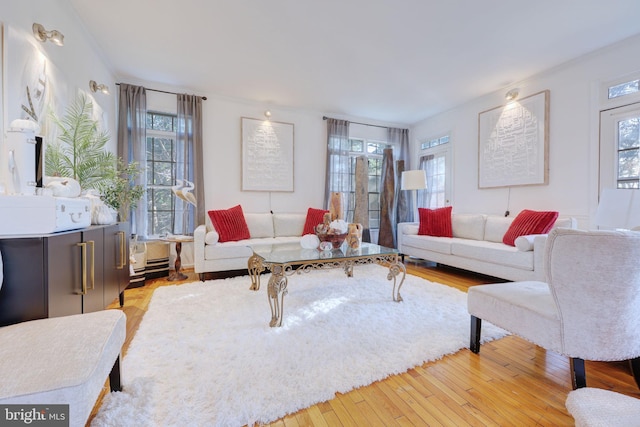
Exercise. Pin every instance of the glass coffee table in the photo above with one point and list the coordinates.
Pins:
(286, 259)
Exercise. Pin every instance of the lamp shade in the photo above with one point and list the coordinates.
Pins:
(618, 208)
(414, 180)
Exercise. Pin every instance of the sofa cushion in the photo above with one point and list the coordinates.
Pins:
(530, 222)
(288, 224)
(232, 249)
(259, 224)
(429, 243)
(435, 222)
(242, 248)
(495, 227)
(230, 224)
(314, 217)
(468, 226)
(492, 252)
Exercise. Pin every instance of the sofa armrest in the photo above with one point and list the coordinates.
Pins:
(539, 243)
(405, 228)
(199, 235)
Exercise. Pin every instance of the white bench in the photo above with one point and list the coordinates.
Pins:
(62, 360)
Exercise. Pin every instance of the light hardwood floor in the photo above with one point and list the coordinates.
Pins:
(510, 382)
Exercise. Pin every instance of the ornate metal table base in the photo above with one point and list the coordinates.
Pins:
(277, 286)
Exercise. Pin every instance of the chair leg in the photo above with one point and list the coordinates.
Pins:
(578, 376)
(474, 341)
(635, 369)
(114, 376)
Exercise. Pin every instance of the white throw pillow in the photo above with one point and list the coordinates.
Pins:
(525, 243)
(211, 237)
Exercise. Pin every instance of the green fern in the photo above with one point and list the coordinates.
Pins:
(79, 152)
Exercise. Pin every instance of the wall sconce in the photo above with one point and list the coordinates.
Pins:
(95, 87)
(511, 95)
(267, 114)
(43, 35)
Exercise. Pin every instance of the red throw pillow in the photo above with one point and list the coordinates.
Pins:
(230, 224)
(529, 222)
(314, 217)
(435, 222)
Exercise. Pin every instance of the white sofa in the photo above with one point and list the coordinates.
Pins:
(477, 246)
(210, 255)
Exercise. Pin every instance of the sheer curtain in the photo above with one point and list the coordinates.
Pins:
(189, 162)
(132, 115)
(338, 176)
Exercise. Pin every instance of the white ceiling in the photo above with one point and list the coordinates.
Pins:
(397, 61)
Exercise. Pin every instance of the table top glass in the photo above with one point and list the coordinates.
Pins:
(292, 253)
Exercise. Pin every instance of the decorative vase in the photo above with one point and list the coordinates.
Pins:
(354, 235)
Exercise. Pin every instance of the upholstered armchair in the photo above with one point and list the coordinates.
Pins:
(594, 407)
(588, 308)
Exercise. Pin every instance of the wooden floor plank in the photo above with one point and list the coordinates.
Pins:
(510, 382)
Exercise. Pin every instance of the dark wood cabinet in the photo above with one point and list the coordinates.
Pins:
(116, 261)
(63, 273)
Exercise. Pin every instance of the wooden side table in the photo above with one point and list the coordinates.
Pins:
(177, 274)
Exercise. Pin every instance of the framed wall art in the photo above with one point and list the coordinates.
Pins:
(513, 143)
(267, 155)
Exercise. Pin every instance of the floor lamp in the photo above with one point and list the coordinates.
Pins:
(414, 180)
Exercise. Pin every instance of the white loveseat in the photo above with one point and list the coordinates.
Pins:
(210, 255)
(477, 246)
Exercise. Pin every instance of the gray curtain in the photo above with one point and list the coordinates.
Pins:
(404, 203)
(338, 174)
(387, 207)
(132, 116)
(361, 197)
(189, 162)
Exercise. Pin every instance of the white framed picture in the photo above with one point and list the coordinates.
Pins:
(513, 143)
(267, 155)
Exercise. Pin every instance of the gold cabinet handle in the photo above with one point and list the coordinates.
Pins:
(83, 262)
(92, 272)
(122, 262)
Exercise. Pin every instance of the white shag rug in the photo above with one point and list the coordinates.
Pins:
(204, 354)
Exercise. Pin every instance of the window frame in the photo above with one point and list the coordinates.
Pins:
(151, 210)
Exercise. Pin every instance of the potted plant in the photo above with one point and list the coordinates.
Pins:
(79, 150)
(119, 190)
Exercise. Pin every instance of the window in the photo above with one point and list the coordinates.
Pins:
(628, 153)
(434, 142)
(161, 172)
(623, 89)
(434, 160)
(373, 150)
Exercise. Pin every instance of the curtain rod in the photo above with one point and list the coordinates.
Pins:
(204, 98)
(363, 124)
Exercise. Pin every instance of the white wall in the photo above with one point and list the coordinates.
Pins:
(223, 150)
(69, 67)
(573, 138)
